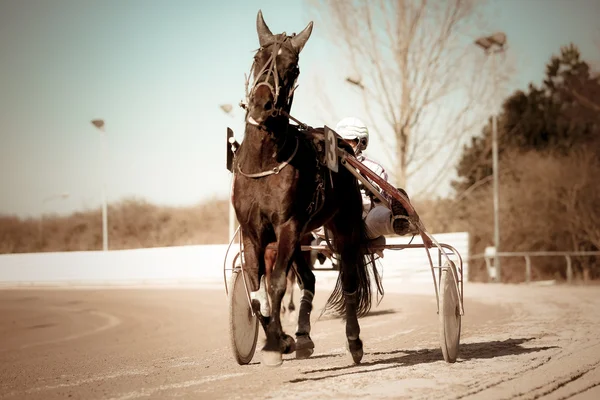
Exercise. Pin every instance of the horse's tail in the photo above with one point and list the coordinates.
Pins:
(362, 261)
(366, 270)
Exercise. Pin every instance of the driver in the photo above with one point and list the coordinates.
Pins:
(379, 219)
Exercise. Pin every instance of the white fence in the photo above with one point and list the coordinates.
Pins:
(185, 265)
(412, 265)
(494, 273)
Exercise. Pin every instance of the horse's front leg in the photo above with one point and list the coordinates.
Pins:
(254, 266)
(278, 342)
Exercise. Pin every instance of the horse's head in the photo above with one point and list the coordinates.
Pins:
(275, 71)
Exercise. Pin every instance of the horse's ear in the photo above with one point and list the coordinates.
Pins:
(300, 39)
(264, 33)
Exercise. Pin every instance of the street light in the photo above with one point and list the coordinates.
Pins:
(227, 109)
(99, 123)
(492, 45)
(44, 201)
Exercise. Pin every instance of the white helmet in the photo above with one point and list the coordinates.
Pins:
(351, 128)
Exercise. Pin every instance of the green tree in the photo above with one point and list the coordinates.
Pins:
(558, 116)
(549, 147)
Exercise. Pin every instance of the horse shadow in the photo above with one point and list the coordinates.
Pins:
(402, 358)
(371, 313)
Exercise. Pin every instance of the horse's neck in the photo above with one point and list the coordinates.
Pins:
(265, 141)
(258, 143)
(261, 148)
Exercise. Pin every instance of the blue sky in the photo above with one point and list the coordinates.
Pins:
(157, 71)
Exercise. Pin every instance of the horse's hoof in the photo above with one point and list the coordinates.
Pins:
(271, 358)
(289, 344)
(303, 354)
(356, 350)
(304, 346)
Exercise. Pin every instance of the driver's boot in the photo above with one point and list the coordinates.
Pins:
(400, 222)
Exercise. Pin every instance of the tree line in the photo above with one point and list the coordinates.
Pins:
(549, 164)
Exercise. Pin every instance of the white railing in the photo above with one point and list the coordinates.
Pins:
(185, 264)
(527, 255)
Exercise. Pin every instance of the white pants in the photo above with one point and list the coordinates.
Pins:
(378, 221)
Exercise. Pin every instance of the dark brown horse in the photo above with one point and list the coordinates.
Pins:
(281, 192)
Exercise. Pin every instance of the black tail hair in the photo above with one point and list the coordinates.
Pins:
(336, 302)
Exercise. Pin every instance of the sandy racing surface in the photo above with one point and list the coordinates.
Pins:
(517, 342)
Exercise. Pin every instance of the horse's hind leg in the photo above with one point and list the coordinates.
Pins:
(270, 256)
(291, 281)
(354, 284)
(304, 344)
(355, 345)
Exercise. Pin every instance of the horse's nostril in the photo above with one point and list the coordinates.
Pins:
(268, 105)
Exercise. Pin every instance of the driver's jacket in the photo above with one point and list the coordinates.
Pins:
(380, 171)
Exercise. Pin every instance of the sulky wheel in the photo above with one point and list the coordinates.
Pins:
(243, 326)
(449, 313)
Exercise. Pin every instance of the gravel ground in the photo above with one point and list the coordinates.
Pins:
(518, 342)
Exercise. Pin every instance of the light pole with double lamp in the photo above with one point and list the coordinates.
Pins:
(493, 45)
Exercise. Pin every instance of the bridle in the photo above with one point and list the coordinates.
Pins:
(270, 69)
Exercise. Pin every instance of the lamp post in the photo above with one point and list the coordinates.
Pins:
(99, 123)
(492, 45)
(227, 109)
(44, 201)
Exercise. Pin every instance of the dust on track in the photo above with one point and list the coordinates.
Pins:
(523, 342)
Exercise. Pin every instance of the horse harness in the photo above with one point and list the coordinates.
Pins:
(270, 69)
(317, 143)
(275, 170)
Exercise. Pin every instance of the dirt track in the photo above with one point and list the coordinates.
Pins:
(517, 342)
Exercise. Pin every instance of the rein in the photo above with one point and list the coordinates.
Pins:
(358, 166)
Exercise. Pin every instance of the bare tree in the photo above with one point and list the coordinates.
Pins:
(420, 76)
